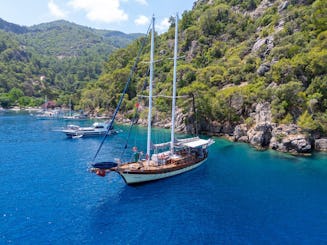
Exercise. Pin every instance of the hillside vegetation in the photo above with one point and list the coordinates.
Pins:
(236, 54)
(53, 59)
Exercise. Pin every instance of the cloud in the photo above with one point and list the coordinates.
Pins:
(108, 11)
(142, 20)
(142, 2)
(55, 10)
(163, 25)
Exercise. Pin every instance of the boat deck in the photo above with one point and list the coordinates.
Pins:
(171, 163)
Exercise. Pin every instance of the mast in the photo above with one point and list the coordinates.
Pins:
(70, 107)
(172, 136)
(45, 103)
(148, 148)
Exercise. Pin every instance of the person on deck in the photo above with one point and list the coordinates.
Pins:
(136, 154)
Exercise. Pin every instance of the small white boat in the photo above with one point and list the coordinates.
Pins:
(97, 129)
(48, 114)
(75, 116)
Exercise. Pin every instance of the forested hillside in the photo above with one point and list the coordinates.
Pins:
(237, 54)
(53, 59)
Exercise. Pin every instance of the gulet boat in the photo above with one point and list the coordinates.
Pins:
(165, 159)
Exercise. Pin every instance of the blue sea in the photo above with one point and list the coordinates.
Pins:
(239, 196)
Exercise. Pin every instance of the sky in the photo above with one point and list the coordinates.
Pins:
(129, 16)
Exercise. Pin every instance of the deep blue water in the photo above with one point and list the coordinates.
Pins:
(239, 196)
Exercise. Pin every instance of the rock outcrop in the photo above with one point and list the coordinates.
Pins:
(263, 68)
(283, 6)
(216, 128)
(284, 138)
(193, 50)
(321, 144)
(261, 8)
(240, 133)
(260, 134)
(290, 138)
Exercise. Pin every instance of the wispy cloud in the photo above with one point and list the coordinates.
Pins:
(55, 10)
(142, 20)
(142, 2)
(108, 11)
(163, 25)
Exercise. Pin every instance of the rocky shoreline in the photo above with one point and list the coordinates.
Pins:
(280, 137)
(262, 134)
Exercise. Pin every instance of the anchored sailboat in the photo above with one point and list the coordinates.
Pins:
(182, 155)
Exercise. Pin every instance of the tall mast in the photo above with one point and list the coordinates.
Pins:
(148, 148)
(70, 107)
(45, 103)
(172, 136)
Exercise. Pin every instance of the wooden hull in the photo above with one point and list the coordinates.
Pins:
(137, 177)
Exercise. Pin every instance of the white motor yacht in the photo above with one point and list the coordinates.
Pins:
(75, 131)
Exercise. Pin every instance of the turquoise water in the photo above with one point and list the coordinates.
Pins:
(239, 196)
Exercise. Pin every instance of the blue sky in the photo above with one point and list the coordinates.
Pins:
(128, 16)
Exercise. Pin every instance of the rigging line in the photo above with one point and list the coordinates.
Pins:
(123, 94)
(179, 57)
(157, 61)
(133, 121)
(163, 96)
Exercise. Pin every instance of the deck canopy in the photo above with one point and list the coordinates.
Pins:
(197, 143)
(161, 145)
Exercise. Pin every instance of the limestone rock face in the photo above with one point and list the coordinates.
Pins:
(283, 6)
(263, 46)
(263, 113)
(289, 138)
(216, 128)
(258, 44)
(240, 133)
(298, 144)
(260, 135)
(180, 119)
(261, 8)
(193, 50)
(285, 138)
(263, 69)
(321, 144)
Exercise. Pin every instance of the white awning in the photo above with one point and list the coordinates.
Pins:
(161, 145)
(197, 143)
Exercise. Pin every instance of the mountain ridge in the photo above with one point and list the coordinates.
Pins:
(18, 29)
(11, 27)
(53, 59)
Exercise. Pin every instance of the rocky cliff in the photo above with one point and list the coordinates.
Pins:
(281, 137)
